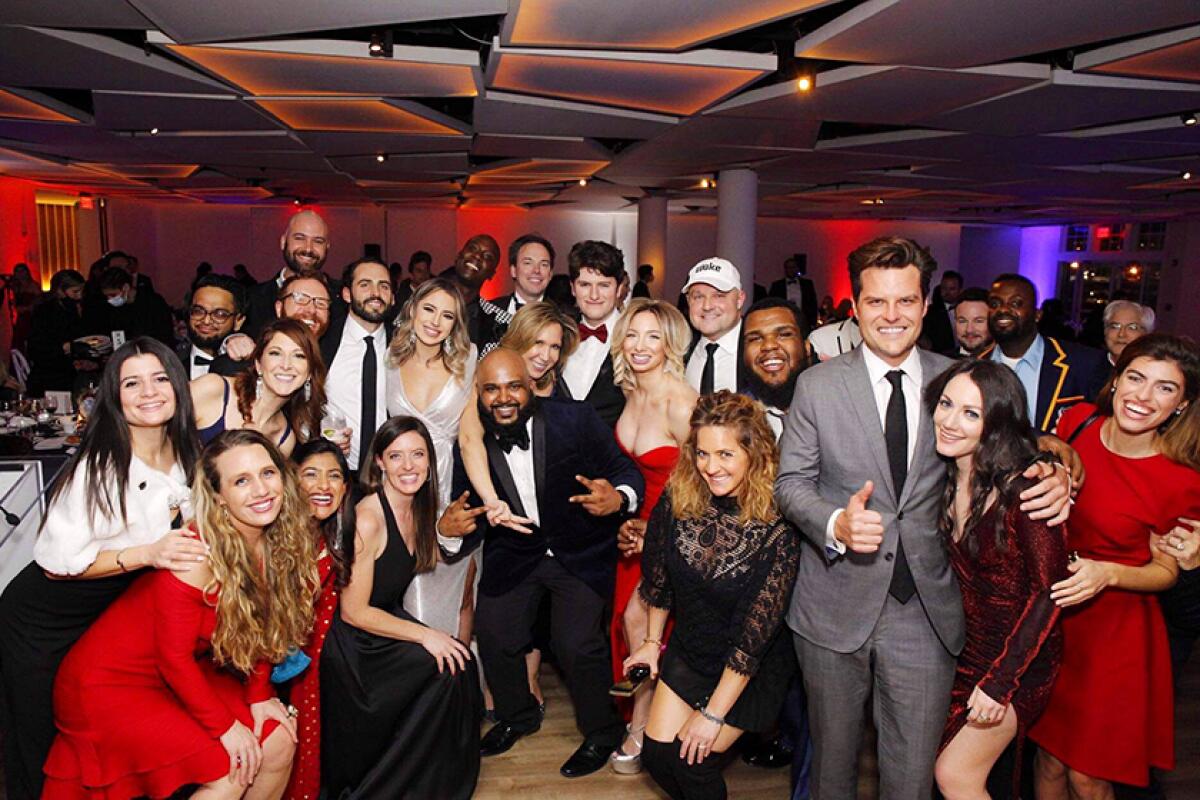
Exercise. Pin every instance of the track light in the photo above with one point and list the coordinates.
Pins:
(1187, 119)
(381, 157)
(1187, 175)
(804, 83)
(381, 45)
(154, 131)
(708, 183)
(583, 181)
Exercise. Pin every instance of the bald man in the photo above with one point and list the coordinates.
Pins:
(304, 245)
(558, 466)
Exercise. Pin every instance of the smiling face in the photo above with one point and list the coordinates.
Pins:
(531, 272)
(889, 308)
(713, 312)
(971, 326)
(1146, 394)
(433, 318)
(543, 355)
(147, 397)
(370, 292)
(504, 386)
(405, 463)
(324, 484)
(1124, 326)
(251, 486)
(305, 243)
(283, 367)
(1012, 312)
(772, 345)
(313, 311)
(476, 262)
(208, 303)
(721, 460)
(595, 295)
(644, 347)
(958, 418)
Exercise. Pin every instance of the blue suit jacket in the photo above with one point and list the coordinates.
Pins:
(1071, 373)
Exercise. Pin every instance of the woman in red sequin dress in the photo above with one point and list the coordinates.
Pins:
(1110, 718)
(324, 480)
(170, 687)
(648, 346)
(1005, 563)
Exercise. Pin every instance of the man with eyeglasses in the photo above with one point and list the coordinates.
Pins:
(217, 308)
(304, 246)
(304, 298)
(1124, 322)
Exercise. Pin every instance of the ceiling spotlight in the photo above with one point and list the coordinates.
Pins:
(1187, 119)
(1074, 265)
(1187, 175)
(382, 157)
(583, 181)
(804, 83)
(154, 131)
(296, 202)
(381, 45)
(376, 46)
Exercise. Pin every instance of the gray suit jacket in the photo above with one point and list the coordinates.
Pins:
(832, 444)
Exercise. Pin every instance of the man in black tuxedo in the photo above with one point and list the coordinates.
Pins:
(559, 466)
(216, 309)
(305, 246)
(795, 286)
(530, 263)
(597, 270)
(304, 298)
(937, 329)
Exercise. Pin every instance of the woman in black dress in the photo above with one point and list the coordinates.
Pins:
(109, 515)
(719, 555)
(400, 701)
(1005, 563)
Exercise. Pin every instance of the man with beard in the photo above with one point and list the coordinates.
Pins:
(305, 246)
(304, 298)
(474, 266)
(971, 322)
(217, 309)
(714, 301)
(1056, 374)
(355, 351)
(558, 465)
(774, 353)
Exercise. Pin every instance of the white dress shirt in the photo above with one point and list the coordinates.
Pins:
(583, 366)
(343, 384)
(198, 370)
(514, 305)
(910, 384)
(725, 369)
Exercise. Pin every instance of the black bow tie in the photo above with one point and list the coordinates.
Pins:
(201, 361)
(518, 438)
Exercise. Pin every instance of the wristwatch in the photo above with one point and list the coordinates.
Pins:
(624, 509)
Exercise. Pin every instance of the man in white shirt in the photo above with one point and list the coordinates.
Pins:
(530, 263)
(217, 309)
(715, 299)
(596, 270)
(774, 353)
(355, 384)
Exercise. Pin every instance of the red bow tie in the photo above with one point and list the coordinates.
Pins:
(600, 333)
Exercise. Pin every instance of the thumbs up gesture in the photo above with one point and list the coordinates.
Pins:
(860, 530)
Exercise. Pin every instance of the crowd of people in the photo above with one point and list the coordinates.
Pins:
(318, 542)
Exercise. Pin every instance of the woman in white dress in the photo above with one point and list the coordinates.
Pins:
(431, 376)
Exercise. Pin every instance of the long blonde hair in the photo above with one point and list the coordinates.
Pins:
(455, 347)
(523, 331)
(676, 338)
(262, 610)
(690, 494)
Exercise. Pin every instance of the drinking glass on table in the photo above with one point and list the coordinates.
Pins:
(334, 428)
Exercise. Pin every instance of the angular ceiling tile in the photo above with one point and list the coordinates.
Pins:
(359, 114)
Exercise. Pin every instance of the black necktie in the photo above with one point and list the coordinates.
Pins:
(895, 433)
(201, 361)
(708, 377)
(367, 433)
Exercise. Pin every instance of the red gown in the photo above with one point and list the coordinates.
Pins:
(138, 702)
(655, 466)
(305, 783)
(1110, 713)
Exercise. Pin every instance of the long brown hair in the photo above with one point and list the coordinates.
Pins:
(425, 502)
(1179, 436)
(305, 406)
(262, 609)
(690, 495)
(523, 331)
(456, 347)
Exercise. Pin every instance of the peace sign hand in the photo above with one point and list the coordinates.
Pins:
(601, 500)
(459, 519)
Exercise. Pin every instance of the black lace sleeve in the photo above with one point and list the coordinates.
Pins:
(762, 607)
(655, 587)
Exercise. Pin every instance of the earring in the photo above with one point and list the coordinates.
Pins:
(1112, 389)
(308, 390)
(258, 388)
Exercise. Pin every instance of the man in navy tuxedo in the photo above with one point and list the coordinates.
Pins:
(558, 466)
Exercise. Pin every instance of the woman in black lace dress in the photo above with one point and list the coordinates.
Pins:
(719, 556)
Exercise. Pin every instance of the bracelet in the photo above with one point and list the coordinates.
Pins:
(711, 717)
(119, 564)
(652, 641)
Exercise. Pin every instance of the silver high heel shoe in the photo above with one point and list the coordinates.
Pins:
(628, 763)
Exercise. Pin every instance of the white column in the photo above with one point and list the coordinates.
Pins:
(652, 239)
(737, 215)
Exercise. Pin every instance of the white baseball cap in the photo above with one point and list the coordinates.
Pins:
(716, 272)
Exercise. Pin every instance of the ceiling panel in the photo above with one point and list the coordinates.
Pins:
(366, 114)
(327, 67)
(142, 111)
(368, 167)
(1173, 55)
(17, 105)
(220, 20)
(664, 25)
(83, 14)
(574, 148)
(352, 143)
(502, 112)
(662, 83)
(967, 33)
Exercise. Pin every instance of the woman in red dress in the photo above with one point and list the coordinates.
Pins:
(1005, 563)
(170, 687)
(1109, 718)
(648, 346)
(324, 480)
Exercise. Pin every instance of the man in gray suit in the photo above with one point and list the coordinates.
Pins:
(876, 606)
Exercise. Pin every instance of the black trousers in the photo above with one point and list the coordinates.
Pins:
(504, 626)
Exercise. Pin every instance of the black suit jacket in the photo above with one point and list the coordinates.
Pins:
(605, 396)
(1071, 373)
(937, 328)
(569, 439)
(260, 306)
(808, 298)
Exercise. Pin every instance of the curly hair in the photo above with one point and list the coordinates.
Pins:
(677, 336)
(262, 610)
(456, 347)
(690, 494)
(303, 414)
(523, 331)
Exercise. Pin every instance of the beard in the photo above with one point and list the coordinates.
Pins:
(774, 396)
(207, 343)
(289, 258)
(511, 431)
(1012, 334)
(370, 316)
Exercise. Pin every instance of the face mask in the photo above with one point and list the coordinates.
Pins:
(117, 302)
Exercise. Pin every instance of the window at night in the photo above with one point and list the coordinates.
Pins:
(1110, 238)
(1151, 235)
(1077, 238)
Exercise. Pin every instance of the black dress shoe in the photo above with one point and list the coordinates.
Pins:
(768, 754)
(586, 760)
(500, 739)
